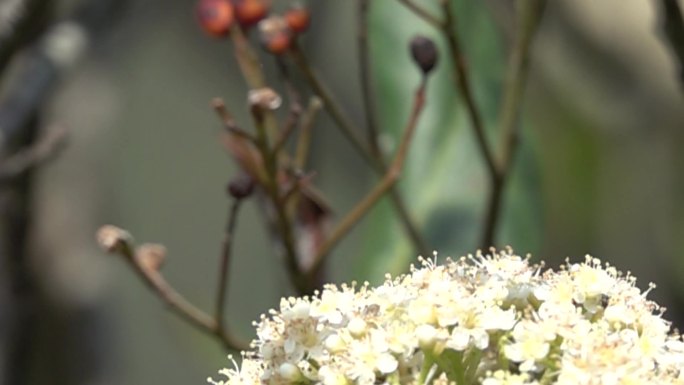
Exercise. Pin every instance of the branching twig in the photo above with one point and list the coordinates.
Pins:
(422, 13)
(347, 127)
(118, 241)
(349, 130)
(371, 126)
(301, 180)
(228, 121)
(462, 78)
(529, 15)
(301, 282)
(286, 131)
(390, 178)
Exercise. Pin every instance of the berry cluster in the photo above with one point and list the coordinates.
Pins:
(277, 31)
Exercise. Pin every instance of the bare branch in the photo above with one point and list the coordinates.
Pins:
(118, 241)
(390, 178)
(36, 154)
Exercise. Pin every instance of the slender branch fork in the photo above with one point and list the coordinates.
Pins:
(498, 167)
(146, 260)
(368, 98)
(262, 156)
(348, 128)
(390, 178)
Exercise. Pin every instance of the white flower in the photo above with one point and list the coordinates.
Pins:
(480, 320)
(531, 343)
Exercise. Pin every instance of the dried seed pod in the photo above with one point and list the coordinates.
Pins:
(264, 98)
(424, 53)
(298, 19)
(215, 16)
(250, 12)
(113, 239)
(151, 256)
(275, 35)
(241, 186)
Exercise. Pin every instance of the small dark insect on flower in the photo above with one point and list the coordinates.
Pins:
(424, 53)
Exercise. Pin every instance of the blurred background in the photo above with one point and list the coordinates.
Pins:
(599, 170)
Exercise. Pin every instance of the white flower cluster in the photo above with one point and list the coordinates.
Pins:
(490, 320)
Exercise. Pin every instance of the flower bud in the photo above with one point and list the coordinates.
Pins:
(290, 372)
(427, 336)
(264, 99)
(357, 327)
(424, 53)
(241, 186)
(334, 343)
(112, 238)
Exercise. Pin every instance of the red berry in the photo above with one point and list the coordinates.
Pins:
(275, 35)
(278, 43)
(215, 16)
(298, 19)
(250, 12)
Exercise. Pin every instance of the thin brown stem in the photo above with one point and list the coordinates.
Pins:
(349, 129)
(390, 178)
(293, 95)
(252, 72)
(301, 282)
(228, 121)
(450, 30)
(367, 94)
(247, 59)
(422, 13)
(294, 99)
(39, 152)
(119, 242)
(224, 269)
(529, 16)
(300, 182)
(286, 131)
(304, 139)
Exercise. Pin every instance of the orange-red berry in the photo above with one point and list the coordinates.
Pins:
(275, 35)
(298, 19)
(278, 43)
(250, 12)
(215, 16)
